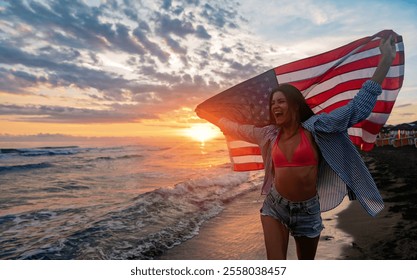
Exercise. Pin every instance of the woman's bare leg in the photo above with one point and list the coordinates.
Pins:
(276, 237)
(306, 247)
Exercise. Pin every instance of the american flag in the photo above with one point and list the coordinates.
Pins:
(327, 81)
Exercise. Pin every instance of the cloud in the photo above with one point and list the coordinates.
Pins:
(71, 43)
(202, 32)
(62, 74)
(60, 114)
(56, 137)
(153, 48)
(152, 57)
(167, 25)
(220, 16)
(17, 81)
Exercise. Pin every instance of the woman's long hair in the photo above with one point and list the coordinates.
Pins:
(296, 101)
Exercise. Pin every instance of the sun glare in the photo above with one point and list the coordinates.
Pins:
(202, 132)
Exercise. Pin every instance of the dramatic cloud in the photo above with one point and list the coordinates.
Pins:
(131, 60)
(120, 51)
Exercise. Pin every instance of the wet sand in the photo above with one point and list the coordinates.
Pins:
(236, 234)
(392, 235)
(350, 233)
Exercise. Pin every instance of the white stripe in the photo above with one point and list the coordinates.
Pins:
(379, 118)
(396, 71)
(316, 71)
(247, 159)
(369, 53)
(362, 55)
(365, 135)
(386, 95)
(331, 83)
(315, 89)
(234, 144)
(346, 95)
(305, 73)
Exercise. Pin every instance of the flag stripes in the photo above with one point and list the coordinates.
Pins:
(244, 156)
(334, 82)
(327, 81)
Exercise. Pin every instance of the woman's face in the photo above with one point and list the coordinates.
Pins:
(280, 109)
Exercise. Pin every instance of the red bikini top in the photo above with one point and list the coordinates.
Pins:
(303, 154)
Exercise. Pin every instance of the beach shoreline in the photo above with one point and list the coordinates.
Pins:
(236, 234)
(350, 233)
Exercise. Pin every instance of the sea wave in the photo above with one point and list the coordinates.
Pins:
(25, 167)
(142, 228)
(118, 157)
(42, 151)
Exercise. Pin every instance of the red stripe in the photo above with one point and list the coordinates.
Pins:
(365, 146)
(317, 100)
(369, 126)
(333, 106)
(347, 68)
(350, 67)
(357, 65)
(393, 83)
(245, 151)
(371, 61)
(321, 58)
(368, 46)
(248, 166)
(339, 88)
(384, 107)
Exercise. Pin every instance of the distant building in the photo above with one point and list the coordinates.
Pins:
(404, 134)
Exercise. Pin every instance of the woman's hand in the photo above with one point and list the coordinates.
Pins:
(387, 47)
(388, 51)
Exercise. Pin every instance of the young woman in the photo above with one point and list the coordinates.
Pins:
(310, 162)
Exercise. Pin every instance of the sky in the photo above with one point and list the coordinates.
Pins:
(130, 68)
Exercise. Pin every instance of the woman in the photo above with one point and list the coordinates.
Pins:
(307, 157)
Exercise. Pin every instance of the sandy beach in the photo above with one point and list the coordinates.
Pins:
(392, 235)
(236, 234)
(350, 232)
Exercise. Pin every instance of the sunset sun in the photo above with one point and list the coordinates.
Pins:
(202, 132)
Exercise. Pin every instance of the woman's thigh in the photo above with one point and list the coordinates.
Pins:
(276, 237)
(306, 247)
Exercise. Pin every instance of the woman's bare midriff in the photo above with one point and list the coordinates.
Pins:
(296, 183)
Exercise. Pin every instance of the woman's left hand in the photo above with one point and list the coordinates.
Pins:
(387, 48)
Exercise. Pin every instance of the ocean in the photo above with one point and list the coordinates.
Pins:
(136, 201)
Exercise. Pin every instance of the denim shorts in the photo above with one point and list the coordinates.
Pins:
(301, 218)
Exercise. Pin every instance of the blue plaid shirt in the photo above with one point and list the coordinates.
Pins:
(342, 172)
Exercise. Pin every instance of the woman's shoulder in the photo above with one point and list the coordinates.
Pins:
(271, 129)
